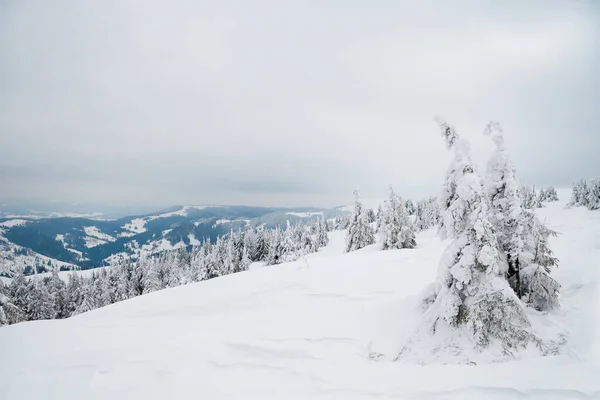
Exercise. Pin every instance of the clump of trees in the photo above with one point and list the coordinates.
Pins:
(34, 298)
(498, 261)
(587, 194)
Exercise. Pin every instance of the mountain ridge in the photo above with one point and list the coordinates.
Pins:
(70, 242)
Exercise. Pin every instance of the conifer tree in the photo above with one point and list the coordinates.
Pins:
(58, 293)
(471, 294)
(151, 279)
(360, 233)
(275, 253)
(322, 238)
(39, 302)
(245, 261)
(519, 232)
(397, 231)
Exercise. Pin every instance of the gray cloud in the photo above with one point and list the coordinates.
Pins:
(135, 102)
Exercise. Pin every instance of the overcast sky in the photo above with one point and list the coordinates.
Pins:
(287, 102)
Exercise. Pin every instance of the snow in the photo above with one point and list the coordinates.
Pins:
(11, 262)
(368, 203)
(161, 245)
(136, 225)
(79, 253)
(193, 240)
(95, 215)
(305, 214)
(93, 242)
(221, 221)
(326, 326)
(126, 234)
(96, 233)
(227, 221)
(13, 222)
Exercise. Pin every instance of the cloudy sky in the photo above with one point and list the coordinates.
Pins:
(287, 102)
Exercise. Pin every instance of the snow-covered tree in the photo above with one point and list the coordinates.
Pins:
(275, 254)
(290, 243)
(410, 206)
(548, 194)
(427, 214)
(262, 245)
(87, 303)
(519, 232)
(580, 193)
(396, 230)
(74, 293)
(471, 294)
(9, 312)
(322, 239)
(151, 279)
(529, 198)
(230, 261)
(250, 243)
(360, 233)
(58, 293)
(593, 195)
(245, 261)
(538, 289)
(39, 304)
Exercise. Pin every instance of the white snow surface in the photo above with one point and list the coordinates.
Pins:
(96, 233)
(13, 222)
(92, 241)
(305, 214)
(193, 240)
(136, 225)
(327, 326)
(126, 234)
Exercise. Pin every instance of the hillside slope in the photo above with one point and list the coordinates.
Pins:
(327, 326)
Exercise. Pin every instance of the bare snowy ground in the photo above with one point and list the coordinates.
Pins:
(323, 327)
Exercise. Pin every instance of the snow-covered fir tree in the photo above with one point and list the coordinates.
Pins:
(151, 278)
(360, 233)
(529, 198)
(322, 239)
(519, 231)
(593, 195)
(548, 194)
(580, 193)
(395, 228)
(410, 206)
(472, 295)
(427, 214)
(245, 261)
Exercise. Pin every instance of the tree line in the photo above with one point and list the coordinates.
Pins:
(33, 298)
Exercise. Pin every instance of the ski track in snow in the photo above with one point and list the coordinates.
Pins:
(324, 327)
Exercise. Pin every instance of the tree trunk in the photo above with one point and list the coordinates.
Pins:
(518, 278)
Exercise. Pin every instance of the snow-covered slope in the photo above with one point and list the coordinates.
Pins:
(324, 327)
(15, 258)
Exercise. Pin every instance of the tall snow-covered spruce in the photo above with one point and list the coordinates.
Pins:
(522, 238)
(471, 305)
(360, 233)
(395, 228)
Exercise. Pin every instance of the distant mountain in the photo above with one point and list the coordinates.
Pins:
(85, 242)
